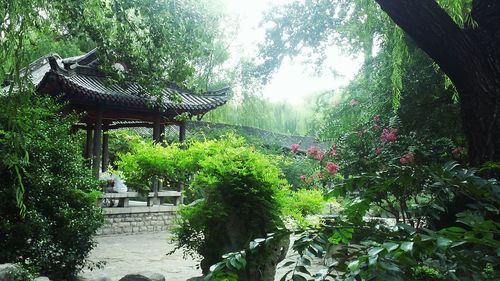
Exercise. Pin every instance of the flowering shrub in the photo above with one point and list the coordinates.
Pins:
(388, 136)
(388, 169)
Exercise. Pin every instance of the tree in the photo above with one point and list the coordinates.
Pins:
(158, 40)
(464, 40)
(470, 57)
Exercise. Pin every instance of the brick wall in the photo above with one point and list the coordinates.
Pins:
(137, 219)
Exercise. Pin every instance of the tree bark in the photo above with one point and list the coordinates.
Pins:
(469, 56)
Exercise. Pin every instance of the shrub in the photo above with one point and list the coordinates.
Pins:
(240, 188)
(54, 236)
(468, 250)
(303, 202)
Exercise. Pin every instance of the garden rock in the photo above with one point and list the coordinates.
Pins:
(41, 278)
(143, 276)
(7, 271)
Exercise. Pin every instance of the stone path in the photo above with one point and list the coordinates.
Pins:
(134, 253)
(125, 254)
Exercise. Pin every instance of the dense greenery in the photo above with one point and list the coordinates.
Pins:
(398, 148)
(394, 130)
(255, 111)
(234, 182)
(54, 236)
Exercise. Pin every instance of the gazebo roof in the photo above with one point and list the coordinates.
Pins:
(79, 82)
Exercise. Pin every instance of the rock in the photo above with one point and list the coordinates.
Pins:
(8, 271)
(41, 278)
(143, 276)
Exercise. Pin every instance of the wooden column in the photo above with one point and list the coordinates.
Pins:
(87, 151)
(156, 130)
(182, 138)
(96, 164)
(162, 133)
(182, 132)
(156, 138)
(105, 149)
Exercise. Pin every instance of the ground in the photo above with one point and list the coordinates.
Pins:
(125, 254)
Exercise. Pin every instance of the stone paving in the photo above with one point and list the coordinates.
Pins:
(134, 253)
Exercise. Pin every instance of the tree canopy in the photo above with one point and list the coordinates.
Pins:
(460, 36)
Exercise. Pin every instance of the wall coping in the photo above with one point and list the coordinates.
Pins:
(140, 209)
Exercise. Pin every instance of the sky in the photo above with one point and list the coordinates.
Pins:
(294, 80)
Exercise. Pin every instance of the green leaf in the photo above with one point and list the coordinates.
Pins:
(234, 263)
(302, 269)
(443, 242)
(390, 246)
(374, 251)
(406, 246)
(284, 276)
(297, 277)
(353, 265)
(389, 266)
(288, 263)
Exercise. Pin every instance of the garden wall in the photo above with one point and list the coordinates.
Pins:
(137, 219)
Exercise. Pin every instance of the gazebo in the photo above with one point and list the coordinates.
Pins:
(78, 82)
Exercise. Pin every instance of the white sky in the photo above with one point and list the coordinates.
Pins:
(294, 80)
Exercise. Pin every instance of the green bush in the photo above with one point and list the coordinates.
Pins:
(121, 141)
(241, 191)
(54, 236)
(303, 202)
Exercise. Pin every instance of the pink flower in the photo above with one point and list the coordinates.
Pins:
(378, 151)
(388, 136)
(294, 147)
(407, 159)
(313, 150)
(331, 168)
(302, 178)
(354, 102)
(316, 153)
(333, 152)
(376, 119)
(320, 155)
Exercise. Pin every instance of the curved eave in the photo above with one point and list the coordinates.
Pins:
(92, 90)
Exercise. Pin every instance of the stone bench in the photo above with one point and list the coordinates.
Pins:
(151, 199)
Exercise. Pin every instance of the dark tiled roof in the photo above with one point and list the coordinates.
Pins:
(78, 77)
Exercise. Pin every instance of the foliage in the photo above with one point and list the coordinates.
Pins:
(121, 141)
(302, 203)
(294, 166)
(465, 251)
(159, 41)
(255, 111)
(54, 236)
(234, 181)
(355, 249)
(357, 27)
(424, 98)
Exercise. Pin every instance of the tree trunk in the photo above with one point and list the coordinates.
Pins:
(470, 57)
